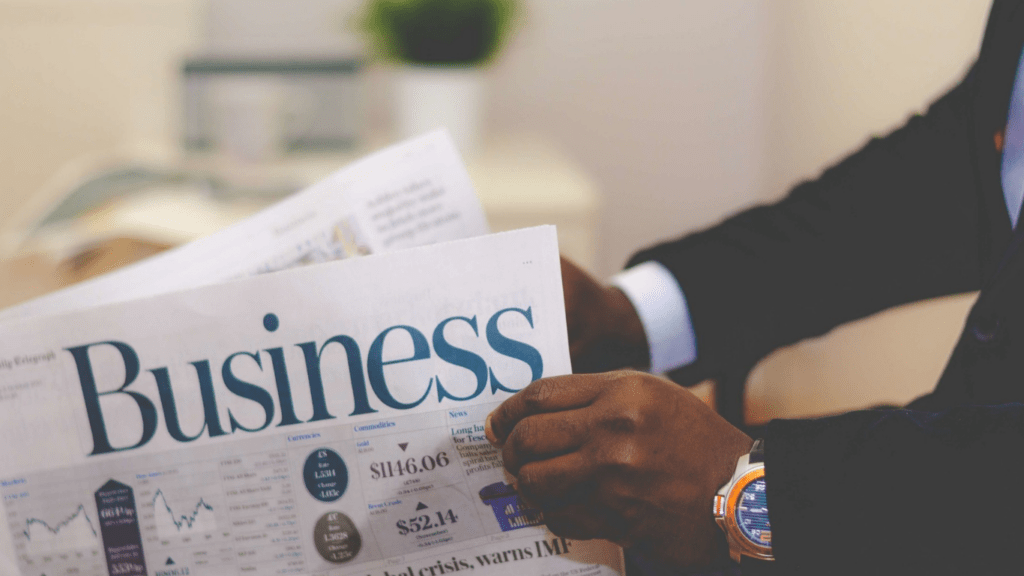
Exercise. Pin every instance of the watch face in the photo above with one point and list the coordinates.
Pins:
(752, 514)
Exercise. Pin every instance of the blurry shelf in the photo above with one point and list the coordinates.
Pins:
(521, 180)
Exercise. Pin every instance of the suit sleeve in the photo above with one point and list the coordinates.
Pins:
(898, 492)
(893, 223)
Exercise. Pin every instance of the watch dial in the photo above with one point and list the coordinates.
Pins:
(752, 514)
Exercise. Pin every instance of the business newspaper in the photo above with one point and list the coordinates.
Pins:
(323, 420)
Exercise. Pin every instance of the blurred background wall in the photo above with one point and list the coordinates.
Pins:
(681, 111)
(77, 76)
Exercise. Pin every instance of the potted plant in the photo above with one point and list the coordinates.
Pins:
(441, 47)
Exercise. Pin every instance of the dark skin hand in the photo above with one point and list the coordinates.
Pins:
(623, 456)
(605, 332)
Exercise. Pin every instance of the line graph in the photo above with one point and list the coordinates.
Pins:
(75, 532)
(169, 523)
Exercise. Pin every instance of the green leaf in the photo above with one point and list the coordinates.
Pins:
(438, 32)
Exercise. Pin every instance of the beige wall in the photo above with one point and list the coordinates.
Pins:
(843, 70)
(79, 76)
(662, 100)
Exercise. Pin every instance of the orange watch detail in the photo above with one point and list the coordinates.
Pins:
(756, 543)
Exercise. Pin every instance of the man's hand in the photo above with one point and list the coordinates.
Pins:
(623, 456)
(605, 332)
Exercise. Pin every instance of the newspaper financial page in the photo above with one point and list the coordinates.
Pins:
(410, 194)
(325, 420)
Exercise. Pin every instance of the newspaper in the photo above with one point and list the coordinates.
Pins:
(324, 420)
(411, 194)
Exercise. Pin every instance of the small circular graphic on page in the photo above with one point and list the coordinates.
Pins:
(270, 322)
(336, 538)
(325, 475)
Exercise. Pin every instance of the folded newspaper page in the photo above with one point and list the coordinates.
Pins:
(411, 194)
(325, 420)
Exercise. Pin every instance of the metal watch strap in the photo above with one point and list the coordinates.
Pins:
(749, 469)
(757, 452)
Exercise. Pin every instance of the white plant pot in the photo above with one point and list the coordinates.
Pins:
(430, 97)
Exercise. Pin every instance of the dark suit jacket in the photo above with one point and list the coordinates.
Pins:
(932, 489)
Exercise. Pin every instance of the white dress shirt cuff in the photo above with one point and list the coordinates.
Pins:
(661, 305)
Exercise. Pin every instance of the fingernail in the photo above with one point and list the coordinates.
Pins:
(489, 432)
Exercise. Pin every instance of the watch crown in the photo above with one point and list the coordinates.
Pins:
(719, 506)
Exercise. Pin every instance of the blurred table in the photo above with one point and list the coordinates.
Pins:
(521, 180)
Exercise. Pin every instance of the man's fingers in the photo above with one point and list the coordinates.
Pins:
(545, 395)
(543, 436)
(556, 482)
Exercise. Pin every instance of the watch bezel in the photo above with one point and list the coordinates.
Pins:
(743, 544)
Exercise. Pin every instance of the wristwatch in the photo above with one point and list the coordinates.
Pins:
(741, 508)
